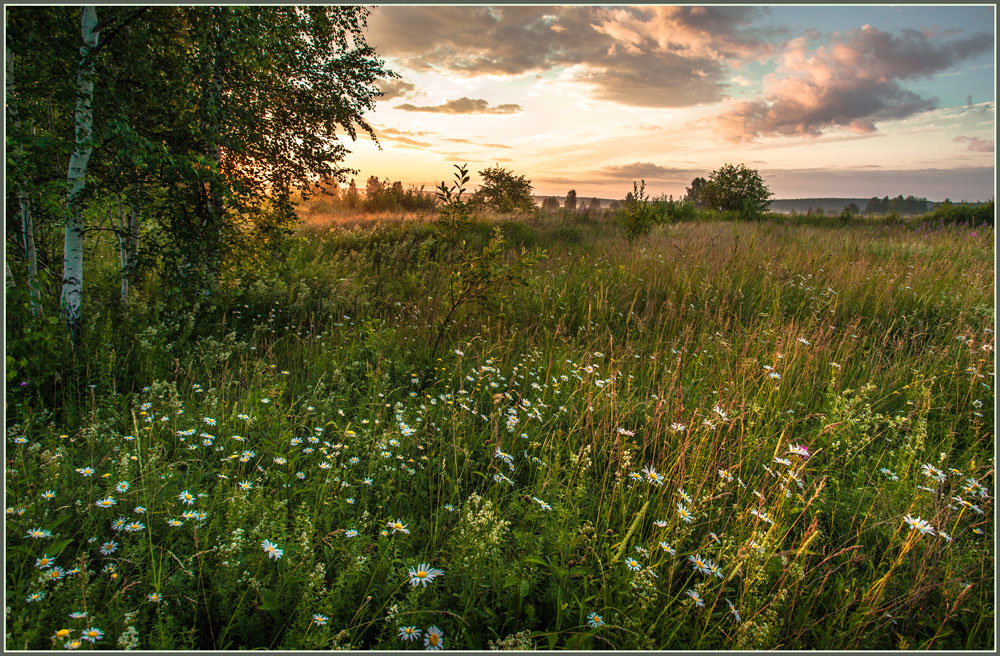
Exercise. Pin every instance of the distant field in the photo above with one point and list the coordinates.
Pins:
(721, 436)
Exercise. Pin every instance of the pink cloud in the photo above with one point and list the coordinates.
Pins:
(851, 83)
(975, 144)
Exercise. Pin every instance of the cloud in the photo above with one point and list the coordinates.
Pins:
(463, 105)
(476, 143)
(853, 82)
(975, 144)
(648, 171)
(394, 88)
(640, 56)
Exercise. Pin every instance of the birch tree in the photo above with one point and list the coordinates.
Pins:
(76, 177)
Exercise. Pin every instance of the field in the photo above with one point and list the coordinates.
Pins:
(722, 435)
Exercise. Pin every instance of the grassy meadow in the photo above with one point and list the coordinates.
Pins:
(723, 435)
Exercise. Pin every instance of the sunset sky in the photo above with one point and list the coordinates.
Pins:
(847, 101)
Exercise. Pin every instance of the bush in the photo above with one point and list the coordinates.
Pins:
(504, 192)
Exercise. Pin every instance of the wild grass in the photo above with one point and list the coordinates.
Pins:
(798, 390)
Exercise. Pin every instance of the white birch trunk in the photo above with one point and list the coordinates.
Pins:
(76, 178)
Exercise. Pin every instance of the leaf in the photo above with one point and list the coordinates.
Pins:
(269, 600)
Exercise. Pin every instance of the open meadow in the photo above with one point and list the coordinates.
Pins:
(722, 435)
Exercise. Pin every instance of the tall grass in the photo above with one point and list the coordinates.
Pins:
(799, 390)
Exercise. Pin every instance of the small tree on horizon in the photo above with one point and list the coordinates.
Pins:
(571, 200)
(736, 188)
(503, 191)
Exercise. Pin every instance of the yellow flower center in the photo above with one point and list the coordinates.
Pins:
(421, 574)
(62, 633)
(432, 639)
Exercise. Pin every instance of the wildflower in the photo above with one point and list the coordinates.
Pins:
(734, 612)
(272, 550)
(319, 620)
(423, 574)
(977, 531)
(933, 472)
(541, 504)
(85, 471)
(714, 569)
(434, 638)
(106, 502)
(109, 548)
(133, 527)
(35, 596)
(652, 476)
(666, 547)
(37, 533)
(449, 507)
(397, 526)
(122, 486)
(409, 633)
(684, 495)
(659, 523)
(684, 513)
(917, 524)
(775, 375)
(350, 533)
(725, 475)
(44, 562)
(595, 620)
(174, 523)
(208, 420)
(783, 461)
(186, 497)
(889, 474)
(761, 515)
(93, 634)
(60, 634)
(628, 433)
(300, 475)
(804, 341)
(73, 644)
(947, 538)
(696, 597)
(55, 574)
(77, 615)
(245, 485)
(633, 564)
(699, 564)
(154, 597)
(635, 476)
(48, 494)
(279, 460)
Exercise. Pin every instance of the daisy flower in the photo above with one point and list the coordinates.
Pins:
(245, 485)
(423, 574)
(434, 638)
(699, 564)
(319, 620)
(633, 564)
(93, 634)
(44, 561)
(397, 526)
(684, 495)
(666, 547)
(186, 497)
(37, 533)
(350, 533)
(271, 549)
(917, 524)
(652, 476)
(109, 548)
(154, 597)
(106, 502)
(931, 471)
(798, 450)
(595, 620)
(409, 633)
(122, 486)
(684, 513)
(34, 597)
(698, 601)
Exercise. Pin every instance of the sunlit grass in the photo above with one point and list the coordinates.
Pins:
(769, 400)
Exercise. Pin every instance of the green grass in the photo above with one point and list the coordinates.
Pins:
(703, 352)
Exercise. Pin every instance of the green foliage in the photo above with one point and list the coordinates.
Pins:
(637, 217)
(386, 196)
(550, 204)
(475, 276)
(948, 213)
(503, 191)
(735, 188)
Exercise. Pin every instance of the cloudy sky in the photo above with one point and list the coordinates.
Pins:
(845, 101)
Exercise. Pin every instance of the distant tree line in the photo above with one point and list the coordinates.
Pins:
(900, 205)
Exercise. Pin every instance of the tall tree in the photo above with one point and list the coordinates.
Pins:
(571, 200)
(76, 177)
